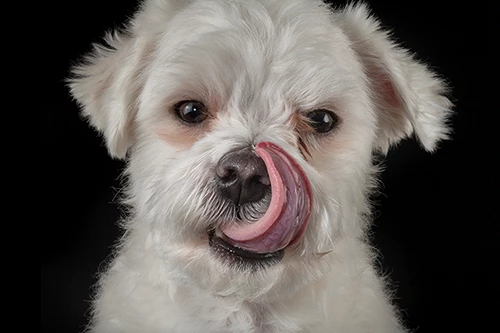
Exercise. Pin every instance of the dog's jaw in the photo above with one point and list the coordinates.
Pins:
(238, 257)
(184, 206)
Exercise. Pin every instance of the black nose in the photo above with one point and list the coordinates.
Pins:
(242, 177)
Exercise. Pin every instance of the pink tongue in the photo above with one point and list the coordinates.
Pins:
(287, 217)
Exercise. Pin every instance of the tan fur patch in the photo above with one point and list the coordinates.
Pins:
(184, 135)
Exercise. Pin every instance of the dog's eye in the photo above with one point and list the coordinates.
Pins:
(191, 111)
(322, 121)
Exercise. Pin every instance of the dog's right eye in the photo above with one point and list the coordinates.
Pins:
(191, 111)
(323, 121)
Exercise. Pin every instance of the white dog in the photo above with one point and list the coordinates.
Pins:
(249, 128)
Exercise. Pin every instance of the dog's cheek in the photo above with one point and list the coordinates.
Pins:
(328, 152)
(179, 136)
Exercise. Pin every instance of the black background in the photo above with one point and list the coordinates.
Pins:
(434, 220)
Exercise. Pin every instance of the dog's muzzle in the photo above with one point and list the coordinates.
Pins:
(246, 176)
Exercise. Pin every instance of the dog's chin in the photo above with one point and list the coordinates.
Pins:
(240, 258)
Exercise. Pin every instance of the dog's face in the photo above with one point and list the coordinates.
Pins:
(250, 129)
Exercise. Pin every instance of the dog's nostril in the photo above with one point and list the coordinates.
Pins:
(264, 180)
(259, 179)
(226, 175)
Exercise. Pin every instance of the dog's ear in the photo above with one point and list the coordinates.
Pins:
(106, 86)
(108, 82)
(409, 98)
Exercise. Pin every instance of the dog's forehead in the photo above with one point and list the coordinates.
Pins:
(256, 52)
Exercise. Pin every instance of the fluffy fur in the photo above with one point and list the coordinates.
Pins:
(259, 66)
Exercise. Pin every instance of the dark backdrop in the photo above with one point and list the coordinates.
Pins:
(434, 224)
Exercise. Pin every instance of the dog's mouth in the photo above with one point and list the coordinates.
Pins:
(222, 247)
(284, 221)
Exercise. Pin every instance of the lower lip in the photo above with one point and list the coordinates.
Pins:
(216, 240)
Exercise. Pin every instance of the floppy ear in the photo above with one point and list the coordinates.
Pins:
(108, 83)
(408, 97)
(106, 86)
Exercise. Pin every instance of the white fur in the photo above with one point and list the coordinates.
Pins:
(258, 61)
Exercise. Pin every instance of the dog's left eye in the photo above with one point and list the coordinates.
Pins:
(191, 111)
(322, 121)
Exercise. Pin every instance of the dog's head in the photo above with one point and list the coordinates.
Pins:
(249, 127)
